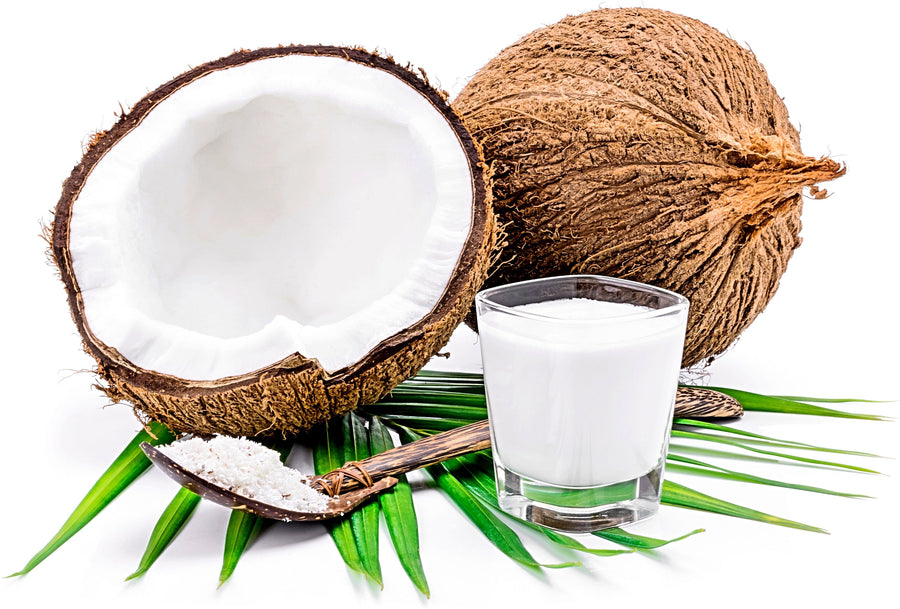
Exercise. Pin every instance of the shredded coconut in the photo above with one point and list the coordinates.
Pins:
(249, 469)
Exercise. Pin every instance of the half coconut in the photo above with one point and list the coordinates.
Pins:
(273, 238)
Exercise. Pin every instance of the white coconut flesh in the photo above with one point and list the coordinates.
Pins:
(291, 204)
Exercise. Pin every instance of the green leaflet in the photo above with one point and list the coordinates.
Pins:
(766, 440)
(243, 527)
(682, 496)
(639, 542)
(796, 398)
(766, 403)
(173, 519)
(573, 544)
(452, 375)
(364, 519)
(130, 464)
(674, 464)
(429, 423)
(416, 385)
(493, 528)
(419, 409)
(430, 396)
(399, 513)
(328, 454)
(675, 448)
(474, 384)
(470, 470)
(732, 442)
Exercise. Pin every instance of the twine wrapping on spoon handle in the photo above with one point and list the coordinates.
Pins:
(402, 459)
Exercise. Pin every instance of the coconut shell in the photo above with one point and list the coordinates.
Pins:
(296, 393)
(644, 145)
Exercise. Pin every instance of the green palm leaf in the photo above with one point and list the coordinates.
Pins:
(433, 424)
(680, 449)
(364, 519)
(684, 424)
(796, 398)
(399, 513)
(675, 464)
(430, 396)
(126, 468)
(452, 375)
(767, 403)
(173, 519)
(639, 542)
(420, 409)
(244, 527)
(328, 455)
(682, 496)
(432, 402)
(719, 439)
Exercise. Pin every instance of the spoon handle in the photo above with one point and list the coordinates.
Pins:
(415, 455)
(696, 402)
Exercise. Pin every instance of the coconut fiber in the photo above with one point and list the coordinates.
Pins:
(649, 146)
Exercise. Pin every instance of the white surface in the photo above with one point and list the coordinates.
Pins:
(831, 330)
(270, 209)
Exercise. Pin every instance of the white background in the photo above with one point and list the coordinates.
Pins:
(831, 330)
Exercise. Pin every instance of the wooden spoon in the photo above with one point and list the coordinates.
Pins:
(357, 481)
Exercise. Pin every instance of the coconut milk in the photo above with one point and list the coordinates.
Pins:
(580, 391)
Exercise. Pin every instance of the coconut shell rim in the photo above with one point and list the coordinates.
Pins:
(111, 362)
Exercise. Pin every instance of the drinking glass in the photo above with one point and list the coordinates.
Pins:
(580, 374)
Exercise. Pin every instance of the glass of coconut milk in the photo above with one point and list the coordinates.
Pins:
(581, 374)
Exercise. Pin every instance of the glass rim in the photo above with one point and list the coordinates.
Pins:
(680, 302)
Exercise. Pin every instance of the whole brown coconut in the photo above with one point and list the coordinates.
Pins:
(231, 187)
(644, 145)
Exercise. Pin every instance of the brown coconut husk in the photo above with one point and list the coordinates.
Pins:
(645, 145)
(296, 393)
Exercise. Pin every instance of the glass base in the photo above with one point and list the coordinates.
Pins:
(579, 509)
